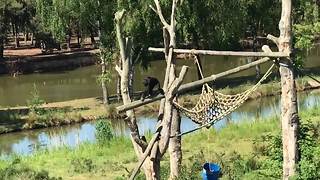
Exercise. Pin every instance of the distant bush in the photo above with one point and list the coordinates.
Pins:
(17, 170)
(104, 131)
(82, 165)
(35, 102)
(270, 146)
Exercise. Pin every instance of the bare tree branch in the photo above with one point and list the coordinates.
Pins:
(159, 12)
(173, 15)
(177, 82)
(273, 39)
(153, 9)
(118, 69)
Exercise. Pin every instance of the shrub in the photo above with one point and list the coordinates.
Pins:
(104, 132)
(270, 146)
(35, 102)
(82, 165)
(17, 170)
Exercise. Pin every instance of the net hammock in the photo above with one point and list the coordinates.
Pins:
(212, 105)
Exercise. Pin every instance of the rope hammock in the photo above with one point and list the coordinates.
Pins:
(212, 106)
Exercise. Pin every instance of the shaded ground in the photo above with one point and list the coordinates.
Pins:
(22, 52)
(27, 50)
(23, 61)
(36, 52)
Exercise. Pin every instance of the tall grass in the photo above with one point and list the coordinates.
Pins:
(232, 147)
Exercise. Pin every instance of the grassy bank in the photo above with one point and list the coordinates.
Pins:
(241, 149)
(51, 114)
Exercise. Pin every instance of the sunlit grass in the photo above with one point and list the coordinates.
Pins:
(116, 158)
(109, 160)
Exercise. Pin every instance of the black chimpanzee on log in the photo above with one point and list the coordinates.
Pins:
(151, 90)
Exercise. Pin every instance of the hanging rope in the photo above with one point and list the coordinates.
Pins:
(198, 64)
(213, 106)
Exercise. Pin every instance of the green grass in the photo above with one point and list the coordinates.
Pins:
(116, 158)
(107, 161)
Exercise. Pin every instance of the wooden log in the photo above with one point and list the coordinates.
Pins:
(184, 88)
(290, 120)
(224, 53)
(145, 154)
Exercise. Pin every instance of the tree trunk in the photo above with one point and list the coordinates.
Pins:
(69, 41)
(25, 38)
(289, 108)
(131, 79)
(119, 88)
(316, 11)
(78, 38)
(105, 94)
(175, 151)
(1, 48)
(31, 38)
(255, 49)
(16, 36)
(175, 146)
(93, 41)
(151, 166)
(99, 21)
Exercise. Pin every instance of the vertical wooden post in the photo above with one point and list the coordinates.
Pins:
(289, 109)
(175, 151)
(139, 144)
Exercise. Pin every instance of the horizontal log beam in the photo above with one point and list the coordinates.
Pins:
(224, 53)
(214, 77)
(185, 87)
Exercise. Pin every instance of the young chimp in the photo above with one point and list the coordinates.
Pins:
(149, 84)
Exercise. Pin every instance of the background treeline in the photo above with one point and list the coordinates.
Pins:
(209, 24)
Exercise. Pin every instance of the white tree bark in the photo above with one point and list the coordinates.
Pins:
(105, 94)
(289, 108)
(168, 115)
(175, 151)
(151, 167)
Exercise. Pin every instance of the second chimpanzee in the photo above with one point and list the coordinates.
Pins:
(152, 87)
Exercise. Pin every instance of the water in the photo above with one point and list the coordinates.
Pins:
(27, 142)
(81, 83)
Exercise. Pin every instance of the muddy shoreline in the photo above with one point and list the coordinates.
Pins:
(46, 63)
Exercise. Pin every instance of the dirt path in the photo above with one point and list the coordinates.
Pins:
(36, 52)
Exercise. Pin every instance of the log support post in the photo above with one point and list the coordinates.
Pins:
(289, 108)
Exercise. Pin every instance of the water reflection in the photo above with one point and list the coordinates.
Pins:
(81, 83)
(28, 141)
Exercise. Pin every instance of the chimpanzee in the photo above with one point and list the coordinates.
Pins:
(149, 84)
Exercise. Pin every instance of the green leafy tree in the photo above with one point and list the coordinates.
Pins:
(3, 25)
